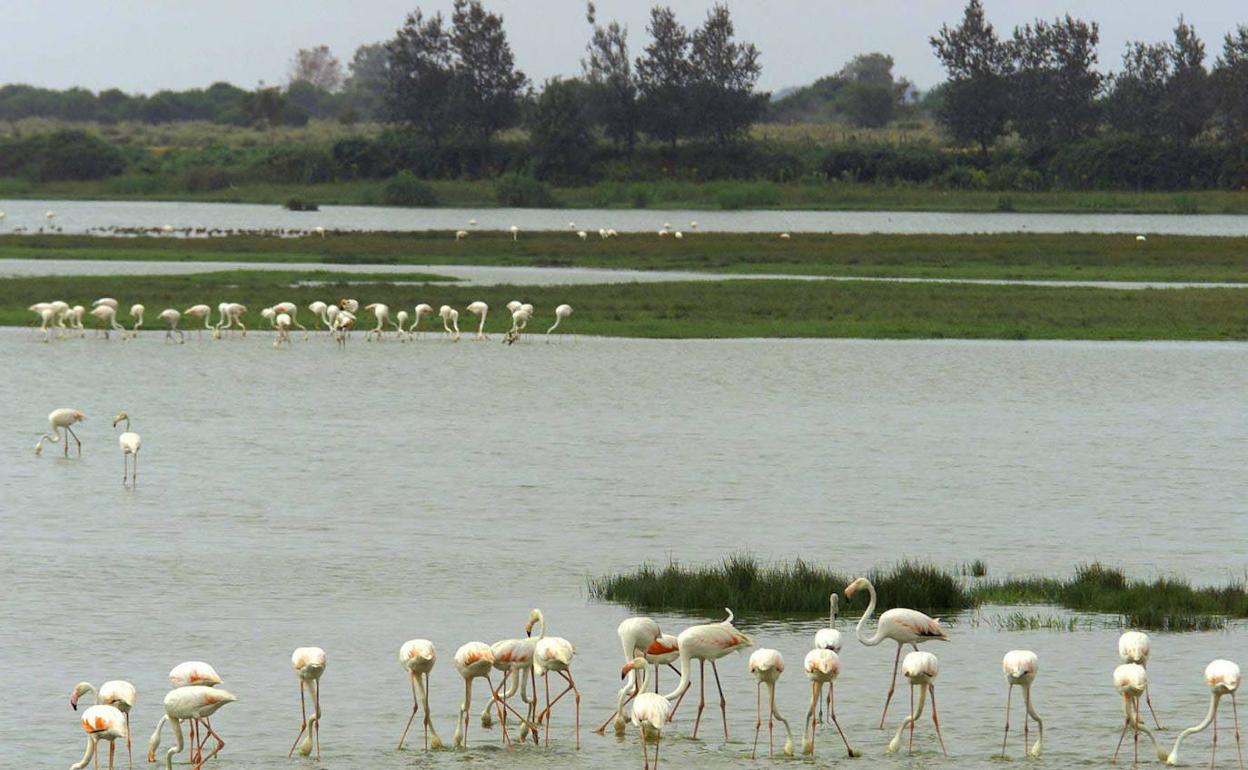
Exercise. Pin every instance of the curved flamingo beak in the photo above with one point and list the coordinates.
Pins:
(528, 628)
(628, 667)
(849, 590)
(73, 701)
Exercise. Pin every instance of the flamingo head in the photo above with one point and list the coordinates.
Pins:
(636, 664)
(535, 617)
(121, 416)
(79, 416)
(854, 587)
(80, 689)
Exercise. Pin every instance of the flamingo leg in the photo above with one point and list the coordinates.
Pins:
(891, 686)
(701, 698)
(936, 720)
(832, 715)
(1148, 699)
(112, 749)
(316, 726)
(723, 702)
(546, 682)
(645, 753)
(1213, 751)
(129, 753)
(676, 705)
(415, 706)
(913, 718)
(758, 717)
(212, 734)
(771, 721)
(1126, 725)
(303, 708)
(1008, 693)
(808, 728)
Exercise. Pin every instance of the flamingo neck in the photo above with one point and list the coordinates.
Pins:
(685, 676)
(1213, 710)
(879, 637)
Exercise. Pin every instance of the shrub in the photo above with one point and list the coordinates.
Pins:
(294, 163)
(299, 204)
(61, 155)
(523, 191)
(203, 179)
(964, 178)
(406, 190)
(748, 196)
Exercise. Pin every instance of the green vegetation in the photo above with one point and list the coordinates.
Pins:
(800, 588)
(724, 309)
(1067, 257)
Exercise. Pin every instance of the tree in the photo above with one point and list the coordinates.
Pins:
(663, 77)
(486, 87)
(871, 96)
(268, 106)
(419, 75)
(1231, 86)
(365, 86)
(975, 103)
(1188, 104)
(1055, 85)
(723, 73)
(560, 131)
(316, 66)
(609, 75)
(1135, 104)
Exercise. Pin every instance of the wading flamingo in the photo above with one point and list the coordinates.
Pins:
(1131, 681)
(382, 313)
(519, 319)
(1020, 668)
(309, 664)
(350, 305)
(702, 643)
(473, 660)
(130, 444)
(461, 234)
(515, 232)
(904, 626)
(136, 315)
(554, 653)
(270, 315)
(317, 309)
(479, 309)
(561, 312)
(200, 311)
(1134, 647)
(109, 301)
(767, 665)
(636, 635)
(62, 419)
(401, 319)
(822, 667)
(292, 310)
(829, 638)
(107, 315)
(101, 723)
(231, 315)
(117, 693)
(1222, 678)
(514, 657)
(47, 315)
(171, 317)
(195, 673)
(75, 317)
(663, 651)
(421, 311)
(282, 324)
(417, 657)
(920, 668)
(650, 711)
(450, 318)
(195, 703)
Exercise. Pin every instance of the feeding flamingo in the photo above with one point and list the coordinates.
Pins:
(561, 312)
(450, 318)
(317, 309)
(117, 693)
(473, 660)
(382, 313)
(1222, 678)
(822, 666)
(1131, 681)
(554, 653)
(171, 317)
(200, 311)
(417, 657)
(62, 419)
(101, 723)
(920, 668)
(421, 311)
(479, 309)
(46, 315)
(107, 314)
(282, 324)
(136, 315)
(292, 310)
(130, 444)
(401, 318)
(309, 665)
(650, 711)
(767, 665)
(514, 657)
(702, 643)
(194, 703)
(1020, 668)
(75, 316)
(1135, 647)
(904, 626)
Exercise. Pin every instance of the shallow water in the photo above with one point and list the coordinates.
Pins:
(79, 216)
(354, 499)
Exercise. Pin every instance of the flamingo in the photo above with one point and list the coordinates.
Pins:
(1131, 681)
(1134, 647)
(107, 314)
(317, 309)
(270, 315)
(1020, 668)
(282, 322)
(904, 626)
(75, 316)
(417, 657)
(450, 318)
(62, 419)
(822, 667)
(515, 232)
(349, 305)
(678, 235)
(636, 635)
(319, 231)
(767, 665)
(171, 317)
(584, 236)
(194, 673)
(46, 316)
(231, 314)
(109, 301)
(60, 313)
(136, 314)
(473, 660)
(117, 693)
(461, 234)
(707, 642)
(1222, 678)
(401, 319)
(519, 319)
(554, 653)
(344, 323)
(382, 314)
(130, 444)
(421, 311)
(920, 668)
(650, 711)
(195, 703)
(200, 311)
(309, 665)
(785, 236)
(561, 312)
(514, 657)
(102, 723)
(829, 638)
(479, 309)
(292, 310)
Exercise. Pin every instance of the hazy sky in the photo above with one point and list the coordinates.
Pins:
(147, 45)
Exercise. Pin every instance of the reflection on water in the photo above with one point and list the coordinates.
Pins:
(355, 499)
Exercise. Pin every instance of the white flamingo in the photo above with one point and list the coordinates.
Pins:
(479, 309)
(711, 641)
(382, 313)
(117, 693)
(1131, 681)
(200, 311)
(1020, 668)
(420, 311)
(130, 444)
(822, 666)
(920, 668)
(282, 324)
(450, 321)
(195, 703)
(417, 657)
(767, 665)
(473, 660)
(171, 317)
(62, 419)
(308, 664)
(554, 653)
(650, 711)
(1222, 679)
(107, 314)
(1135, 647)
(101, 723)
(561, 312)
(136, 315)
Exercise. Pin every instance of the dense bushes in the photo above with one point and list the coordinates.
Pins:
(406, 190)
(58, 156)
(523, 191)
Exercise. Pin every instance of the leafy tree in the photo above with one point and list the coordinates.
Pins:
(486, 87)
(560, 131)
(1139, 91)
(1188, 104)
(365, 86)
(609, 75)
(268, 106)
(419, 75)
(975, 102)
(723, 74)
(1231, 83)
(1055, 85)
(663, 77)
(318, 67)
(872, 96)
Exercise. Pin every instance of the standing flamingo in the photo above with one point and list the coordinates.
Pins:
(117, 693)
(707, 642)
(636, 635)
(480, 309)
(554, 653)
(195, 673)
(904, 626)
(1134, 647)
(561, 312)
(195, 703)
(309, 664)
(1131, 681)
(417, 657)
(130, 444)
(75, 316)
(102, 723)
(514, 658)
(822, 667)
(47, 315)
(767, 665)
(107, 314)
(829, 638)
(382, 314)
(650, 711)
(136, 315)
(282, 324)
(473, 660)
(450, 318)
(200, 311)
(292, 310)
(317, 309)
(519, 319)
(171, 317)
(421, 311)
(920, 668)
(62, 419)
(1222, 678)
(1020, 668)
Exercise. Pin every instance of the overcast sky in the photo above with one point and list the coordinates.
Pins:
(147, 45)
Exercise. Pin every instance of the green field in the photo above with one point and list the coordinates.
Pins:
(1067, 257)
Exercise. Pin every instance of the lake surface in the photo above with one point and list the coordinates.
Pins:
(80, 216)
(356, 498)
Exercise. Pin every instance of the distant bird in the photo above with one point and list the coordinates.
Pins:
(75, 316)
(602, 233)
(582, 235)
(479, 309)
(350, 305)
(200, 311)
(62, 419)
(309, 665)
(1020, 668)
(571, 225)
(292, 310)
(417, 657)
(678, 235)
(171, 317)
(1141, 238)
(767, 665)
(166, 229)
(421, 311)
(136, 315)
(920, 668)
(693, 225)
(1222, 678)
(1131, 681)
(822, 666)
(1135, 647)
(49, 215)
(107, 314)
(317, 309)
(515, 232)
(401, 322)
(785, 236)
(904, 626)
(702, 643)
(472, 222)
(130, 444)
(109, 301)
(319, 231)
(650, 711)
(461, 234)
(101, 723)
(382, 314)
(561, 312)
(282, 324)
(474, 660)
(46, 316)
(116, 693)
(195, 703)
(450, 318)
